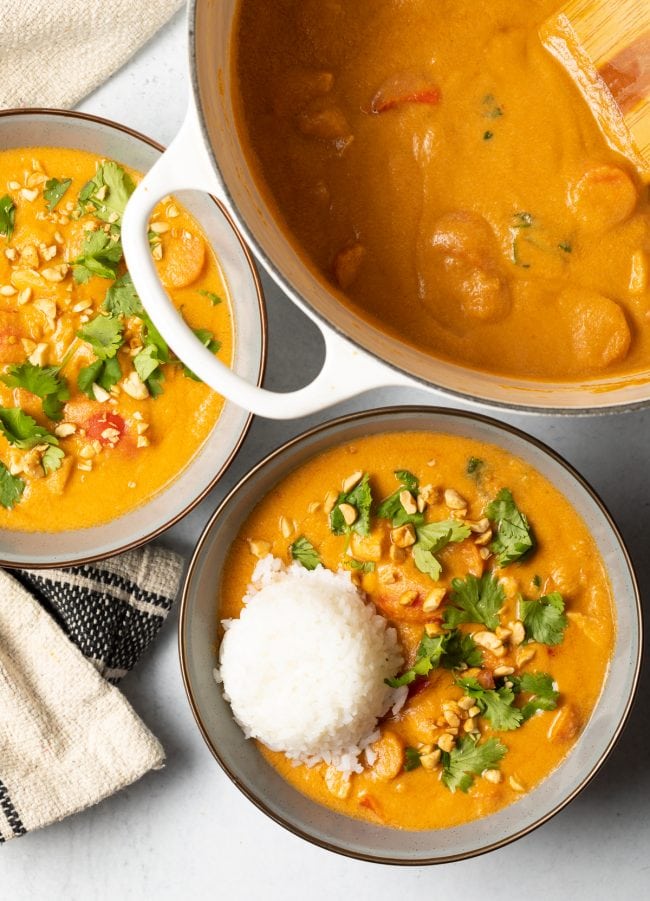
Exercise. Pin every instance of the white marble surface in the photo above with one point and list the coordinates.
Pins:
(186, 832)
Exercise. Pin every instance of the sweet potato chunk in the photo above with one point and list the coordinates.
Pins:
(183, 260)
(599, 333)
(323, 119)
(459, 271)
(390, 757)
(566, 724)
(603, 197)
(11, 331)
(347, 264)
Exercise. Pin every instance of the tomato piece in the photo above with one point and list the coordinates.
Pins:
(402, 88)
(104, 426)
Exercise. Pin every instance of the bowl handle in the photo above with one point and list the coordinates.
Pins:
(347, 370)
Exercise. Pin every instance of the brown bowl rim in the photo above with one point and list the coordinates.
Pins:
(155, 533)
(369, 414)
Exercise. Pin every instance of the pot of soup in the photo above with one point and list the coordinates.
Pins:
(429, 186)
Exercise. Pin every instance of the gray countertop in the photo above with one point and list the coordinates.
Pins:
(186, 832)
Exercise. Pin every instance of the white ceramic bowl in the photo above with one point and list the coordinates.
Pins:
(52, 128)
(261, 783)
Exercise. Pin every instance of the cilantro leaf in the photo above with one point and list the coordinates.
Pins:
(475, 467)
(122, 297)
(43, 381)
(544, 619)
(361, 499)
(411, 759)
(7, 216)
(449, 649)
(104, 334)
(208, 340)
(51, 459)
(21, 430)
(146, 362)
(469, 759)
(108, 204)
(475, 601)
(427, 657)
(11, 488)
(461, 650)
(540, 686)
(54, 190)
(104, 373)
(305, 553)
(391, 507)
(432, 538)
(212, 297)
(514, 537)
(99, 256)
(363, 566)
(496, 705)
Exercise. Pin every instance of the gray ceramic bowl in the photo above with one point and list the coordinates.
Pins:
(52, 128)
(260, 782)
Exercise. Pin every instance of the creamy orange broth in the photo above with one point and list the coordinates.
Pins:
(98, 479)
(565, 558)
(438, 167)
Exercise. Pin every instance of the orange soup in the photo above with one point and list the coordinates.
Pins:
(437, 165)
(500, 599)
(96, 413)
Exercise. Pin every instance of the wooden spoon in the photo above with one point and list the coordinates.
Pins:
(605, 47)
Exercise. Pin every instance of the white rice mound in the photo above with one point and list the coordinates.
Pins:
(304, 665)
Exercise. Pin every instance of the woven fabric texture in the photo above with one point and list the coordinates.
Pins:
(54, 52)
(68, 738)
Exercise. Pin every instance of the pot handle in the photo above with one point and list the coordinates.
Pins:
(347, 370)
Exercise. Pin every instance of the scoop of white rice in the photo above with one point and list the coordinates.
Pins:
(304, 665)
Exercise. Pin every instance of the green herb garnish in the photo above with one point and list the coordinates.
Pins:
(391, 507)
(7, 216)
(122, 298)
(100, 256)
(104, 373)
(43, 381)
(361, 499)
(514, 537)
(475, 467)
(544, 619)
(540, 686)
(431, 539)
(22, 431)
(496, 705)
(208, 340)
(363, 566)
(54, 190)
(566, 247)
(305, 553)
(108, 204)
(488, 135)
(212, 297)
(104, 334)
(475, 601)
(411, 759)
(11, 488)
(469, 759)
(450, 650)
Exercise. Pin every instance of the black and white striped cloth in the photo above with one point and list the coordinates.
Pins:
(68, 738)
(111, 610)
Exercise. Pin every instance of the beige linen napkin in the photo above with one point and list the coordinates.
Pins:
(68, 738)
(54, 52)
